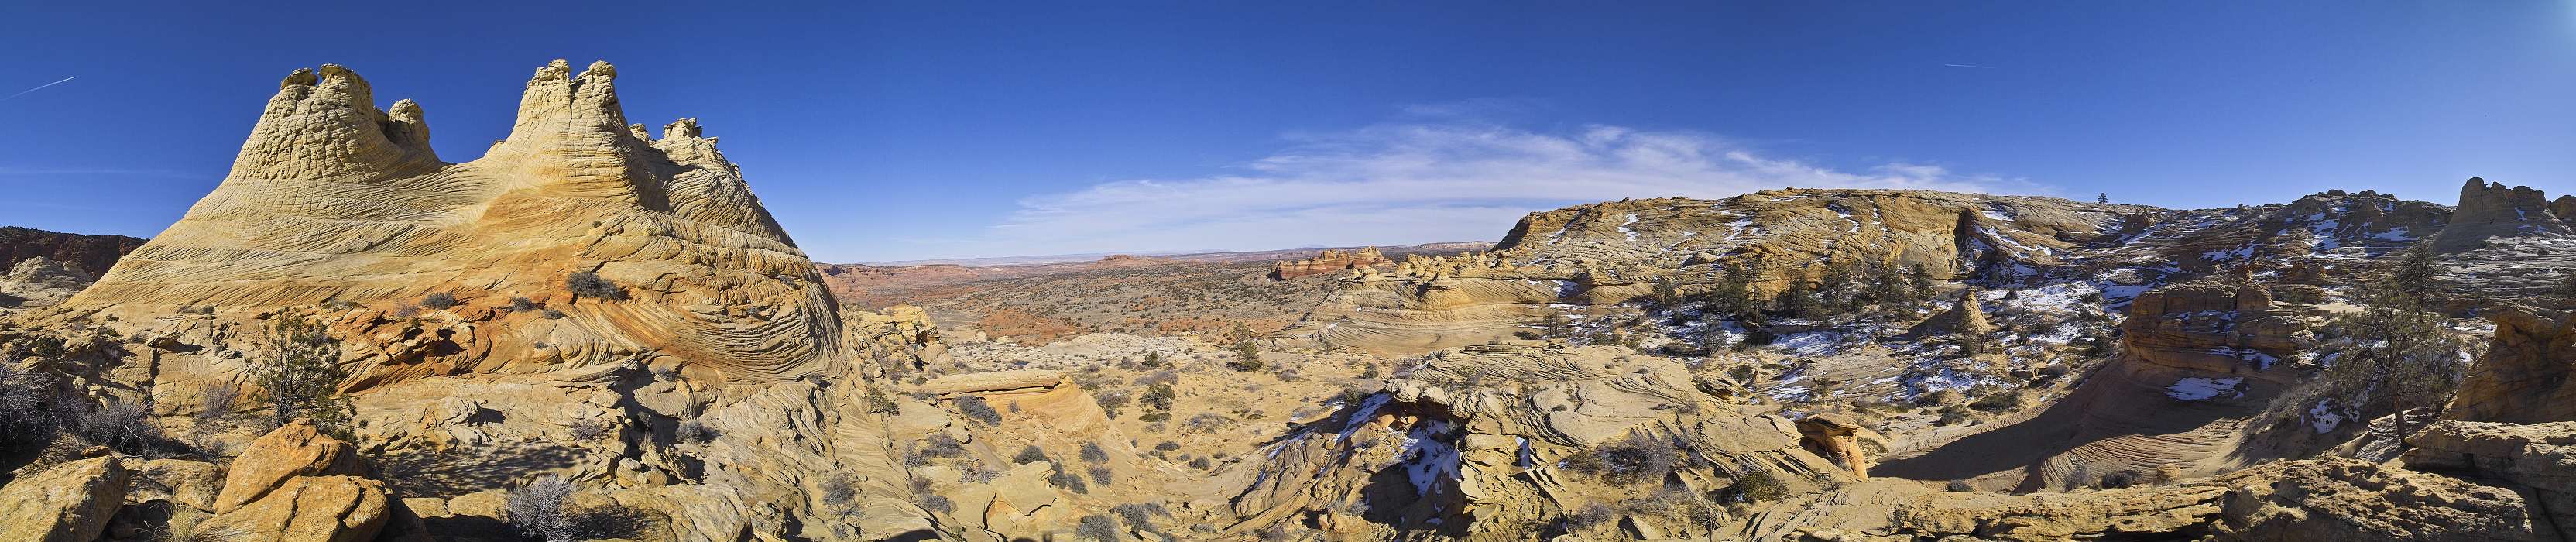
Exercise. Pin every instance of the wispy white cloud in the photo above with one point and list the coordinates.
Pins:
(1407, 183)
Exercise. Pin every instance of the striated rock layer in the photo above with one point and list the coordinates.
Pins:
(706, 379)
(1607, 253)
(1330, 261)
(2198, 360)
(335, 201)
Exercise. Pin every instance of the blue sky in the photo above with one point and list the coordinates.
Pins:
(891, 131)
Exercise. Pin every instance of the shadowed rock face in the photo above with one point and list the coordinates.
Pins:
(334, 200)
(2489, 210)
(2524, 377)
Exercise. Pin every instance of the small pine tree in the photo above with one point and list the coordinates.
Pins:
(1158, 396)
(2103, 197)
(1247, 357)
(1886, 286)
(1833, 288)
(1667, 294)
(302, 375)
(2402, 351)
(1153, 359)
(1918, 283)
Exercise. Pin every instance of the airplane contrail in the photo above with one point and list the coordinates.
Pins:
(1969, 66)
(42, 87)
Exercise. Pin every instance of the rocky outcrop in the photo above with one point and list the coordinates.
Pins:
(2525, 374)
(291, 451)
(706, 377)
(2321, 499)
(2489, 210)
(297, 484)
(70, 502)
(1329, 261)
(2197, 360)
(1471, 442)
(312, 509)
(1608, 253)
(1835, 436)
(901, 337)
(333, 200)
(91, 254)
(2541, 458)
(1965, 320)
(40, 281)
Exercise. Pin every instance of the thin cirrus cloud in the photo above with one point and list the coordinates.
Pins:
(1416, 183)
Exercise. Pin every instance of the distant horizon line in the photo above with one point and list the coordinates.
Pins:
(1087, 256)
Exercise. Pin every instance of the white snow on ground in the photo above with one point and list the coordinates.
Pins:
(2238, 253)
(2198, 388)
(2393, 234)
(1812, 343)
(1367, 409)
(2325, 419)
(1846, 213)
(1427, 459)
(1560, 232)
(1787, 393)
(1944, 379)
(2008, 240)
(1623, 227)
(1990, 212)
(2324, 233)
(2260, 360)
(1740, 225)
(2059, 298)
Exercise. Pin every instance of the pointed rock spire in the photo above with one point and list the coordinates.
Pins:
(710, 188)
(325, 124)
(572, 124)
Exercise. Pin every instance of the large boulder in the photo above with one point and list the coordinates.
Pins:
(70, 502)
(1835, 436)
(293, 450)
(311, 509)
